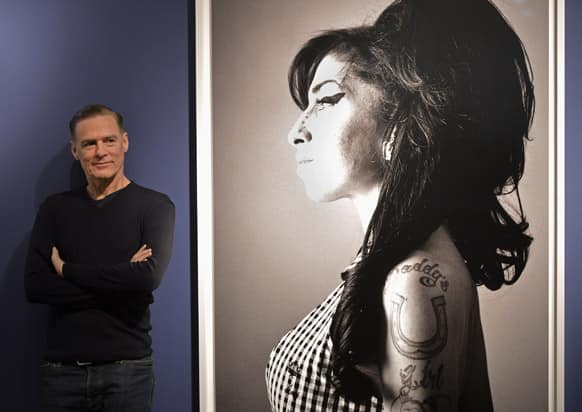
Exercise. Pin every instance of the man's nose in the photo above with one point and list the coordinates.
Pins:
(100, 149)
(299, 133)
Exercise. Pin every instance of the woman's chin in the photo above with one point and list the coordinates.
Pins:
(320, 196)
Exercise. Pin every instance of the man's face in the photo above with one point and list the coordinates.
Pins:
(100, 146)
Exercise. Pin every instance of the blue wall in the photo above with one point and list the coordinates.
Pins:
(573, 205)
(55, 57)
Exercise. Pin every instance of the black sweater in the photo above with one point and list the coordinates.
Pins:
(100, 309)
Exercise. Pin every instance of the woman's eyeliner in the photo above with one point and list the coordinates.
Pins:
(330, 99)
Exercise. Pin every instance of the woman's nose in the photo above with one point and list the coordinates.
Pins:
(299, 133)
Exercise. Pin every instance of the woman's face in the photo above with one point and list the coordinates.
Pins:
(338, 136)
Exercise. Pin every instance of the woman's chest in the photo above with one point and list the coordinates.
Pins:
(299, 369)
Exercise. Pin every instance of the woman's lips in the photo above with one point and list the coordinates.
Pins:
(302, 166)
(302, 158)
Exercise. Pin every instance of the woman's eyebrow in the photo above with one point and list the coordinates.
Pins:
(318, 86)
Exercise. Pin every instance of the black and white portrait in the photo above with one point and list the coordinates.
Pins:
(380, 204)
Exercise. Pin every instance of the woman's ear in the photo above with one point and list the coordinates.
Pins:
(388, 145)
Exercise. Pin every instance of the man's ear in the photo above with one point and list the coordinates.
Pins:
(74, 150)
(125, 142)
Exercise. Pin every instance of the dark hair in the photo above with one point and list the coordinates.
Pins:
(92, 110)
(457, 87)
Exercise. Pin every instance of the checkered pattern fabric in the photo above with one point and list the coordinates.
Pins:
(299, 371)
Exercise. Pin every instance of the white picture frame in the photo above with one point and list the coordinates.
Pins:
(205, 170)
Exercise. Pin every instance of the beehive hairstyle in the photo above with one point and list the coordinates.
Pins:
(457, 90)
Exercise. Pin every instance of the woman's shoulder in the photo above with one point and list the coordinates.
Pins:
(428, 271)
(428, 283)
(436, 267)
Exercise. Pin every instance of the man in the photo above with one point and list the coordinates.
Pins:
(96, 254)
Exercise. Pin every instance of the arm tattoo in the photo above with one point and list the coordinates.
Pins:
(419, 349)
(431, 276)
(429, 380)
(436, 403)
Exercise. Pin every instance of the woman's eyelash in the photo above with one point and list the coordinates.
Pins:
(330, 99)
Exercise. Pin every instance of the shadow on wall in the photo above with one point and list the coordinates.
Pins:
(24, 324)
(59, 172)
(23, 336)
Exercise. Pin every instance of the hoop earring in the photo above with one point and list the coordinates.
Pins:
(388, 145)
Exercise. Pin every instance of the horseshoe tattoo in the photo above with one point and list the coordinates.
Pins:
(419, 349)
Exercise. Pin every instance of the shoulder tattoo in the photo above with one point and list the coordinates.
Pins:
(430, 274)
(418, 349)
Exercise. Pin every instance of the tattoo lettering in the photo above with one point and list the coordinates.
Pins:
(431, 275)
(419, 349)
(429, 380)
(406, 375)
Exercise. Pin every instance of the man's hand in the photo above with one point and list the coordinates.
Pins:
(142, 254)
(57, 261)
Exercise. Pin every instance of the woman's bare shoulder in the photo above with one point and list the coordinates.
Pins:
(426, 284)
(428, 300)
(430, 272)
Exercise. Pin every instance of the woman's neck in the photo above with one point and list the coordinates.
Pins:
(365, 204)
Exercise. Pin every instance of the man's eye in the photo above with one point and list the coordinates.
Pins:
(330, 100)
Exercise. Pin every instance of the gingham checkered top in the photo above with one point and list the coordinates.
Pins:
(299, 371)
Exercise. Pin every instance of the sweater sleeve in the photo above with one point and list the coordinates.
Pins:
(158, 233)
(41, 283)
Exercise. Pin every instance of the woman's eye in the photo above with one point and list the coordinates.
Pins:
(330, 100)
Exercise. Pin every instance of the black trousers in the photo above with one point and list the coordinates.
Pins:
(121, 386)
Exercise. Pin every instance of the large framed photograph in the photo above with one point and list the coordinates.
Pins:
(268, 254)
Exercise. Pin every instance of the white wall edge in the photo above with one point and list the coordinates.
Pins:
(205, 216)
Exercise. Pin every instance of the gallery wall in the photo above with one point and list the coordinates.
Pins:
(56, 57)
(573, 309)
(59, 55)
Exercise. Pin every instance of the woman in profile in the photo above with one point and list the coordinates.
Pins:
(421, 120)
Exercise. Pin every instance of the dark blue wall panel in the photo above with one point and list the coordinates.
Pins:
(55, 57)
(573, 205)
